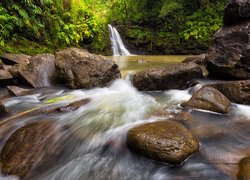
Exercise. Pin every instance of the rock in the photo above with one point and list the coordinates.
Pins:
(6, 67)
(236, 11)
(27, 147)
(17, 91)
(5, 78)
(75, 105)
(208, 98)
(3, 109)
(174, 76)
(229, 54)
(235, 91)
(165, 141)
(244, 169)
(40, 72)
(11, 59)
(197, 59)
(80, 69)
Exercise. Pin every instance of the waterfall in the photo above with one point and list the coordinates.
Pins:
(117, 45)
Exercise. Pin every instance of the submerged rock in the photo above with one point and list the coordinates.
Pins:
(208, 98)
(40, 72)
(244, 169)
(197, 59)
(229, 54)
(5, 78)
(170, 77)
(235, 91)
(165, 141)
(11, 59)
(80, 69)
(28, 147)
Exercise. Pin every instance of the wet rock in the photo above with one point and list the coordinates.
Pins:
(229, 55)
(40, 72)
(17, 91)
(235, 91)
(6, 67)
(3, 109)
(80, 69)
(5, 78)
(209, 98)
(244, 169)
(27, 147)
(165, 141)
(236, 11)
(169, 77)
(11, 59)
(75, 105)
(197, 59)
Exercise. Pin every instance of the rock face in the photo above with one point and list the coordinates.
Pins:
(236, 11)
(244, 169)
(80, 69)
(209, 98)
(39, 72)
(26, 147)
(5, 77)
(169, 77)
(165, 141)
(11, 59)
(235, 91)
(229, 55)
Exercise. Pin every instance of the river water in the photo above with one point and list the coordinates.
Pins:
(94, 143)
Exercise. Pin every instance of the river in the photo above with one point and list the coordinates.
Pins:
(95, 145)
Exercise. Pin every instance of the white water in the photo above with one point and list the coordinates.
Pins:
(118, 47)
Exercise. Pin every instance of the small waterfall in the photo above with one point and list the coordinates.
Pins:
(117, 45)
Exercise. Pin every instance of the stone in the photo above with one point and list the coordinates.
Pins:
(244, 169)
(75, 105)
(229, 55)
(208, 98)
(177, 76)
(27, 147)
(80, 69)
(236, 11)
(11, 59)
(3, 109)
(40, 72)
(17, 91)
(235, 91)
(165, 141)
(5, 78)
(197, 59)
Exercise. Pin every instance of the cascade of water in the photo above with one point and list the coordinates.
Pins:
(117, 45)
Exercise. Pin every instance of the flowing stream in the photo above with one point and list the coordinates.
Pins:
(94, 136)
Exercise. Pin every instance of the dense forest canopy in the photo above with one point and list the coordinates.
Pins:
(32, 26)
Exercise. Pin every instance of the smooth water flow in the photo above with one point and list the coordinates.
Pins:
(117, 45)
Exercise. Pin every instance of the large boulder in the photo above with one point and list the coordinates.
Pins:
(175, 76)
(80, 69)
(165, 141)
(39, 72)
(209, 98)
(229, 54)
(11, 59)
(236, 12)
(5, 77)
(28, 147)
(235, 91)
(244, 169)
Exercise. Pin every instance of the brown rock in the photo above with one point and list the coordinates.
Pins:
(5, 78)
(6, 67)
(11, 59)
(165, 141)
(208, 98)
(75, 105)
(27, 147)
(3, 109)
(197, 59)
(244, 169)
(170, 77)
(235, 91)
(80, 69)
(39, 72)
(236, 11)
(17, 91)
